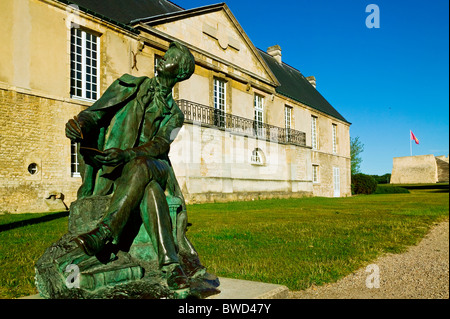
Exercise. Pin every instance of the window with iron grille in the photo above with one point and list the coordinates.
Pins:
(288, 121)
(84, 64)
(258, 110)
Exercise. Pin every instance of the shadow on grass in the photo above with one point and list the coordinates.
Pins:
(440, 191)
(33, 221)
(431, 188)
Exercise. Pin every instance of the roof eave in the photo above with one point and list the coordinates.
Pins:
(313, 107)
(101, 17)
(171, 16)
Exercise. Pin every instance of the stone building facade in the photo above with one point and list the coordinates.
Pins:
(254, 126)
(420, 169)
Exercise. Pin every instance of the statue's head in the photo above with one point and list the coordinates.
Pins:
(177, 62)
(187, 62)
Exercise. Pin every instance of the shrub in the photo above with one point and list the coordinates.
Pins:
(363, 184)
(388, 189)
(383, 179)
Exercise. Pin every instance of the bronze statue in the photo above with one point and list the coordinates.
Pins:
(124, 141)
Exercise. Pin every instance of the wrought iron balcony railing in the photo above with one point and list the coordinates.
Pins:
(205, 115)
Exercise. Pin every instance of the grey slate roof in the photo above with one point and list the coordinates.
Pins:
(125, 11)
(295, 86)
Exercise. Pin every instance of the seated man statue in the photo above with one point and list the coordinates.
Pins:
(132, 126)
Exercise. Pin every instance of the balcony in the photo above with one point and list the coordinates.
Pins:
(208, 116)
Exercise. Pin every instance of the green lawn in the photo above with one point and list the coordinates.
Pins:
(294, 242)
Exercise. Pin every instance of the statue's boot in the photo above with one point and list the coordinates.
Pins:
(94, 241)
(175, 276)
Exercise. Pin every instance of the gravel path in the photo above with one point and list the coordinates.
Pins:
(420, 273)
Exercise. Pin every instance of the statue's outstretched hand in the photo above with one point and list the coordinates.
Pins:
(113, 157)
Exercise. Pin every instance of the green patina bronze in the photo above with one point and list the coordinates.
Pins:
(127, 229)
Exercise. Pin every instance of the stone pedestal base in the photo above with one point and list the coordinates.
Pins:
(125, 270)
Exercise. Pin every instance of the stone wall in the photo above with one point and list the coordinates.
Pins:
(414, 170)
(35, 101)
(211, 164)
(32, 131)
(442, 163)
(326, 164)
(216, 165)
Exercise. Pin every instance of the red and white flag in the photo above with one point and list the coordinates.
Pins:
(413, 137)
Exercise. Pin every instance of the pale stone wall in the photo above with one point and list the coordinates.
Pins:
(414, 169)
(215, 165)
(442, 168)
(35, 101)
(217, 33)
(326, 163)
(35, 52)
(420, 169)
(32, 131)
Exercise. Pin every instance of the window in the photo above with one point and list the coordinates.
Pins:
(84, 64)
(259, 108)
(288, 121)
(315, 173)
(32, 168)
(157, 59)
(257, 157)
(219, 102)
(336, 182)
(334, 132)
(74, 163)
(314, 132)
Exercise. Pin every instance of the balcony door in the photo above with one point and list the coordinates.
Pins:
(258, 118)
(288, 122)
(219, 102)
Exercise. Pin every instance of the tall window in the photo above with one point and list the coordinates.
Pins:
(84, 64)
(288, 121)
(334, 132)
(315, 173)
(314, 132)
(219, 102)
(336, 182)
(259, 109)
(74, 163)
(157, 59)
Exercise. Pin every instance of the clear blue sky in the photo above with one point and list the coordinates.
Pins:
(385, 81)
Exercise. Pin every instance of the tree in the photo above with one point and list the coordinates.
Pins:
(356, 148)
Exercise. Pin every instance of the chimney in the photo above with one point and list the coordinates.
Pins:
(312, 80)
(275, 51)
